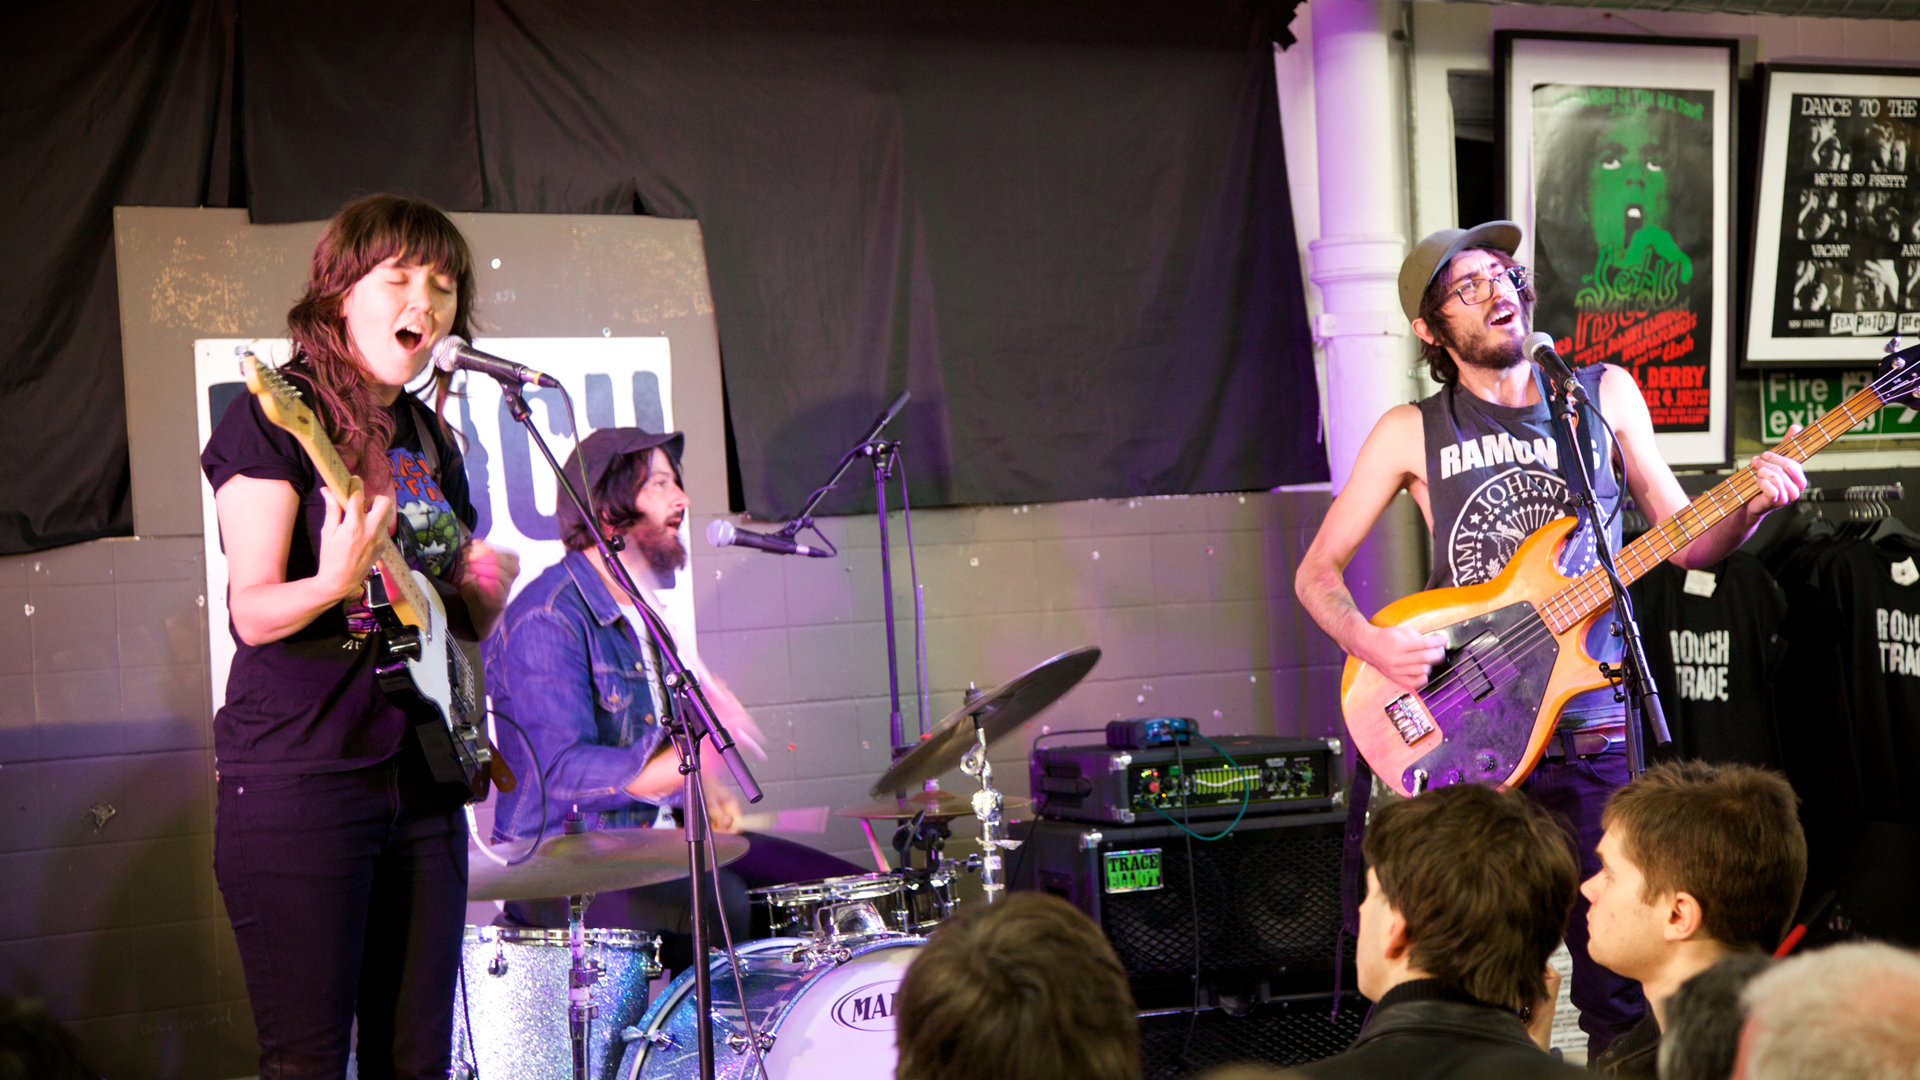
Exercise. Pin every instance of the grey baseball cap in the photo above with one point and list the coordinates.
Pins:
(1429, 255)
(600, 450)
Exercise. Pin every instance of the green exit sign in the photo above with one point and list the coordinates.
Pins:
(1787, 399)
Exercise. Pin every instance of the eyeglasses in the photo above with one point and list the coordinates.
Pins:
(1480, 290)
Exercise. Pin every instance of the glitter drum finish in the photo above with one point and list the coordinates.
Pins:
(513, 998)
(833, 1021)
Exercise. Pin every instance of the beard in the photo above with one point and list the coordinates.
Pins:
(1495, 355)
(659, 544)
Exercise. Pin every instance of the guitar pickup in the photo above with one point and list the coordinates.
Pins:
(1409, 718)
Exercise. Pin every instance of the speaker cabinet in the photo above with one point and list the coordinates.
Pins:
(1254, 913)
(1176, 1044)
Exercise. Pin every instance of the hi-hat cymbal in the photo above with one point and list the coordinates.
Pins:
(939, 806)
(1006, 707)
(596, 861)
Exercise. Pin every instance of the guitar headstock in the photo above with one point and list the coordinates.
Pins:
(278, 398)
(1897, 379)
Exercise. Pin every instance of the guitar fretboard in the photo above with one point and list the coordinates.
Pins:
(1590, 592)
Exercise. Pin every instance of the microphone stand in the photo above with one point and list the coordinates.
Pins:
(885, 455)
(1634, 677)
(690, 719)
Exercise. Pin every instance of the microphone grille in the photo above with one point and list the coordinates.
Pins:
(1538, 340)
(720, 532)
(446, 352)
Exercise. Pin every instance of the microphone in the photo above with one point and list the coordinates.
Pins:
(1540, 350)
(452, 353)
(722, 534)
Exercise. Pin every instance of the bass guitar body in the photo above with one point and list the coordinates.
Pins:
(1489, 708)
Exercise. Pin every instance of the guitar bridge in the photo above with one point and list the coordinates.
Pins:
(1409, 718)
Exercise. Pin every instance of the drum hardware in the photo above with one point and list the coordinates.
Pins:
(989, 806)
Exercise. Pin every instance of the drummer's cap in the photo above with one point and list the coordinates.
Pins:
(1438, 249)
(599, 451)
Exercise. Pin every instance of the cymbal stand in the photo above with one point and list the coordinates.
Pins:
(581, 1010)
(989, 806)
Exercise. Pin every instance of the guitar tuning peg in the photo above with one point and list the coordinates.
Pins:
(1894, 345)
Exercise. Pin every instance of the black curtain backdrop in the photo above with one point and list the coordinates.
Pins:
(1064, 226)
(116, 103)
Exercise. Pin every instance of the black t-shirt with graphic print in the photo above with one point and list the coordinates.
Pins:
(309, 702)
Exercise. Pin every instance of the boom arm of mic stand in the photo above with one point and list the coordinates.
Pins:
(1643, 693)
(679, 680)
(799, 520)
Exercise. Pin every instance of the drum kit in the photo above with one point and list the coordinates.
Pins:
(817, 997)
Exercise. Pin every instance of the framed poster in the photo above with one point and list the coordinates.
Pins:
(1617, 162)
(1836, 245)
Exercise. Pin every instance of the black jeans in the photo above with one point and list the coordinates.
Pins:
(347, 892)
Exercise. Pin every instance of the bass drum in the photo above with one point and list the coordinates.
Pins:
(831, 1022)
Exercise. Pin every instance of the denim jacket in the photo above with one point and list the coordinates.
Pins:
(565, 667)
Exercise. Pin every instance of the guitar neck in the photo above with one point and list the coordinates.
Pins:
(1591, 591)
(402, 590)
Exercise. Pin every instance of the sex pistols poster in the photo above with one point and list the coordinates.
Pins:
(1623, 246)
(1837, 245)
(1617, 160)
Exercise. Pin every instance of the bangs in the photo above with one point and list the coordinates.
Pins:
(374, 230)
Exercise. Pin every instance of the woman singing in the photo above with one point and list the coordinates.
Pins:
(342, 863)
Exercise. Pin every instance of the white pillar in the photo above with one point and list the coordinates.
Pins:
(1363, 208)
(1360, 115)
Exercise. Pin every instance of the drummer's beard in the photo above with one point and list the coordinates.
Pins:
(659, 543)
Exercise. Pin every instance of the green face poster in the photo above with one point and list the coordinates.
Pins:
(1623, 238)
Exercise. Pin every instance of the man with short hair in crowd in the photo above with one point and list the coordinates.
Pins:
(1468, 890)
(1697, 861)
(1702, 1034)
(1851, 1012)
(1023, 989)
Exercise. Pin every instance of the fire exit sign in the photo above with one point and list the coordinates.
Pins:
(1787, 399)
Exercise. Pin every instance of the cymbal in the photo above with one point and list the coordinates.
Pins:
(939, 805)
(596, 861)
(1004, 708)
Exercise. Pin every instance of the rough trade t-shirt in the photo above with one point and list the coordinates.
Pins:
(308, 702)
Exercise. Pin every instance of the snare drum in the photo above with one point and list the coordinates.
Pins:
(512, 997)
(908, 906)
(829, 1021)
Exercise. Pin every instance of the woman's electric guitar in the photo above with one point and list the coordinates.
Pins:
(1516, 645)
(422, 671)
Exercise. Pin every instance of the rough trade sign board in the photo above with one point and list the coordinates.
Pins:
(1787, 399)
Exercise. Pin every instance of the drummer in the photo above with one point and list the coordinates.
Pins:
(571, 665)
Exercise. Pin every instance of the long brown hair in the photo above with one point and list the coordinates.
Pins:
(361, 236)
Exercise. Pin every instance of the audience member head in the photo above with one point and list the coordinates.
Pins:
(1023, 989)
(33, 1046)
(1843, 1013)
(1704, 1017)
(1467, 885)
(1697, 860)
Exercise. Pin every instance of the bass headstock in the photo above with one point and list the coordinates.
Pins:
(1897, 379)
(278, 398)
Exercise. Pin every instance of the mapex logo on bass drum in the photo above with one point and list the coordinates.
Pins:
(868, 1008)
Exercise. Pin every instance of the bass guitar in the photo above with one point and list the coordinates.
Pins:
(421, 670)
(1516, 650)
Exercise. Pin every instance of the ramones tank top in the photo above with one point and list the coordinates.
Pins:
(1494, 475)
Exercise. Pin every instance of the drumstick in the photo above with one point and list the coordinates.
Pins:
(879, 857)
(805, 819)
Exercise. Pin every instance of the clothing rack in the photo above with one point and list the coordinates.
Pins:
(1863, 500)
